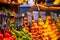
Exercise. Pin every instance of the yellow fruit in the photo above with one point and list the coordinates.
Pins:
(45, 26)
(49, 27)
(40, 20)
(47, 23)
(56, 2)
(20, 1)
(41, 23)
(48, 30)
(50, 33)
(45, 34)
(53, 36)
(45, 30)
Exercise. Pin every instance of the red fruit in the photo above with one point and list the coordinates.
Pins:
(8, 31)
(42, 35)
(4, 38)
(12, 37)
(41, 31)
(41, 27)
(25, 19)
(27, 28)
(46, 38)
(1, 39)
(34, 36)
(32, 31)
(1, 35)
(6, 34)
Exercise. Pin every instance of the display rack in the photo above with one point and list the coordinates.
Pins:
(10, 3)
(50, 4)
(48, 8)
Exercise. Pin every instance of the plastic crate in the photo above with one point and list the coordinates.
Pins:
(24, 8)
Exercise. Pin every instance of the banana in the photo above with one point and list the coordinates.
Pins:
(56, 2)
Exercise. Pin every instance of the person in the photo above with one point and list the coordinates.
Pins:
(34, 7)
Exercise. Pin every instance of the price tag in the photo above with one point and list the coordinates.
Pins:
(36, 16)
(55, 16)
(43, 15)
(29, 15)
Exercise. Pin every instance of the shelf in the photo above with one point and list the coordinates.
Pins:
(10, 3)
(43, 7)
(52, 5)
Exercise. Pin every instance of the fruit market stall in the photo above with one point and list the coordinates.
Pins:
(35, 25)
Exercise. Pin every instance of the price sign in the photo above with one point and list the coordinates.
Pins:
(29, 15)
(43, 15)
(36, 16)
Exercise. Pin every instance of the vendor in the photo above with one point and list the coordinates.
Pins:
(34, 7)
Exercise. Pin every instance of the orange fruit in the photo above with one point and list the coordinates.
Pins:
(25, 19)
(33, 21)
(48, 17)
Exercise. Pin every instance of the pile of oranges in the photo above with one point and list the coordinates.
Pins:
(41, 30)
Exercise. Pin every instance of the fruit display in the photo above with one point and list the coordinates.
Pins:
(51, 29)
(14, 1)
(58, 24)
(6, 35)
(29, 26)
(20, 34)
(41, 30)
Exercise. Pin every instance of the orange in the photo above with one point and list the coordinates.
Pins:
(33, 21)
(25, 19)
(48, 17)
